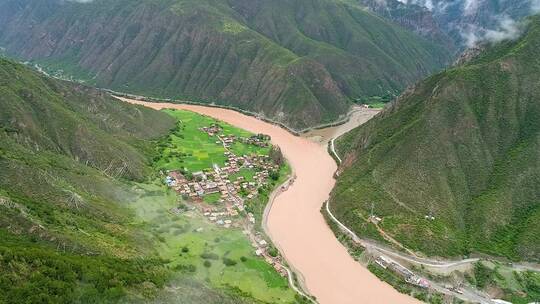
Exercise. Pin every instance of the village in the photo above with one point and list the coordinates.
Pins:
(220, 194)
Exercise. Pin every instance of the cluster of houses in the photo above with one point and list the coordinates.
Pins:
(262, 250)
(409, 276)
(212, 130)
(218, 180)
(260, 140)
(216, 130)
(222, 217)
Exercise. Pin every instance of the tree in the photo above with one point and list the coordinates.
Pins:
(274, 175)
(276, 156)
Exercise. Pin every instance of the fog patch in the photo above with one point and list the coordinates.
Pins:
(506, 29)
(535, 6)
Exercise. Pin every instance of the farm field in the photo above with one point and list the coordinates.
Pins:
(189, 242)
(190, 148)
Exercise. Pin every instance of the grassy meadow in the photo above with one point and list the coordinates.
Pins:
(221, 258)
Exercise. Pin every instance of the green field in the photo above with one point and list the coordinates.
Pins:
(187, 248)
(212, 198)
(245, 173)
(190, 148)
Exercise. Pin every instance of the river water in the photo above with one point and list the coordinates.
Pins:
(295, 223)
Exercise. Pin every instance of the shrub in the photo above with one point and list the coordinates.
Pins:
(229, 262)
(273, 252)
(483, 275)
(209, 256)
(189, 268)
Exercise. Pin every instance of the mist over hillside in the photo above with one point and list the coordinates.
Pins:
(465, 22)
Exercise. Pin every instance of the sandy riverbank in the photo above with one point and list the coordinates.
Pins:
(358, 116)
(296, 225)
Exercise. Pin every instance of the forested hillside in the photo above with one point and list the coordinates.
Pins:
(299, 62)
(453, 166)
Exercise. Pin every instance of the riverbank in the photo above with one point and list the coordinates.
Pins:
(343, 120)
(296, 224)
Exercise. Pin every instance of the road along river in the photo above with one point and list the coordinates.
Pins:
(295, 223)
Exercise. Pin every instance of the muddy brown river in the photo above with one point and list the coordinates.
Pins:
(295, 223)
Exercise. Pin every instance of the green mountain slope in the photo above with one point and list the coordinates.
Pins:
(299, 62)
(69, 156)
(463, 146)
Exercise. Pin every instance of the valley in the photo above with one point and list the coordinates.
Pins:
(270, 151)
(295, 223)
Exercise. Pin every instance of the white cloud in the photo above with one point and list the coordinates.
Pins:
(535, 6)
(470, 6)
(506, 29)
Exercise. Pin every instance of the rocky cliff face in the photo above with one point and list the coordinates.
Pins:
(414, 17)
(299, 62)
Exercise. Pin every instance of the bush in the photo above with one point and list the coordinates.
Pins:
(273, 252)
(189, 268)
(207, 263)
(274, 175)
(40, 274)
(209, 256)
(229, 262)
(243, 259)
(483, 275)
(185, 249)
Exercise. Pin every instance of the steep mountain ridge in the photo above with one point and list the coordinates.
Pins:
(81, 123)
(299, 62)
(462, 146)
